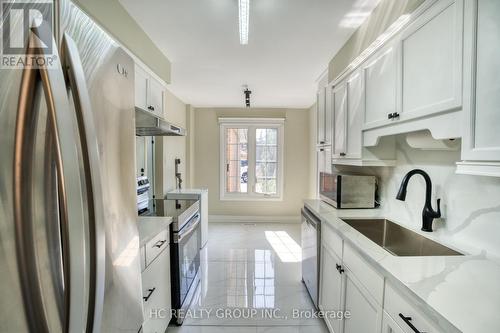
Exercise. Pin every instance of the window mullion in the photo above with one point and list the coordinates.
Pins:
(251, 160)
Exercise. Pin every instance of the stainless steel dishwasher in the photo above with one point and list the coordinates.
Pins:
(311, 240)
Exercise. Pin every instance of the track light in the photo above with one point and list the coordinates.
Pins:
(247, 96)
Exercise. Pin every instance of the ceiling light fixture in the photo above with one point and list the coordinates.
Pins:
(244, 13)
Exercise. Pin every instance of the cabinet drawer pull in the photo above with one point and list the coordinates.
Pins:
(339, 268)
(343, 154)
(407, 320)
(321, 142)
(159, 243)
(390, 116)
(151, 108)
(395, 115)
(150, 292)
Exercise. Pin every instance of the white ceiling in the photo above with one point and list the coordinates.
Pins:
(290, 45)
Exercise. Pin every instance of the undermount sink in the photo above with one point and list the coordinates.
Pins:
(398, 240)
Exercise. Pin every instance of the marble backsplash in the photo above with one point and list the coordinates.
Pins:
(470, 205)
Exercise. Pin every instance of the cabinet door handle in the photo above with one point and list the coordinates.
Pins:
(159, 243)
(321, 142)
(321, 149)
(407, 320)
(339, 268)
(150, 292)
(343, 154)
(390, 116)
(395, 115)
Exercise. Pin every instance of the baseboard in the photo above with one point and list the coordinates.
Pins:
(253, 219)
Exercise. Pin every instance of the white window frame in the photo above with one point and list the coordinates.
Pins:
(251, 124)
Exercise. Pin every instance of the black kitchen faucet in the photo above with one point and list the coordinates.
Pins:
(428, 214)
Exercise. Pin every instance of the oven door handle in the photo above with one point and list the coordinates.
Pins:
(190, 229)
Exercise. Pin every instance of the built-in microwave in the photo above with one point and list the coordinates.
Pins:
(348, 191)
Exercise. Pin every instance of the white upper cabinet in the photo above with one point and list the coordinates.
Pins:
(413, 81)
(141, 88)
(339, 95)
(431, 49)
(328, 115)
(324, 115)
(348, 100)
(320, 113)
(381, 86)
(481, 141)
(148, 92)
(355, 110)
(155, 97)
(324, 159)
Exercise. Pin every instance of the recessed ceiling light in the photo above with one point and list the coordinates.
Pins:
(244, 12)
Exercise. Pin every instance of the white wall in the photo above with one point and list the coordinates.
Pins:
(386, 13)
(112, 16)
(296, 162)
(168, 148)
(470, 204)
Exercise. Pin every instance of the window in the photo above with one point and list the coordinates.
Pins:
(251, 158)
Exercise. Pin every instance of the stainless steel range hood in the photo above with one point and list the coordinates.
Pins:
(147, 124)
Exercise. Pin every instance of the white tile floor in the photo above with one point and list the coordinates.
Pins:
(253, 272)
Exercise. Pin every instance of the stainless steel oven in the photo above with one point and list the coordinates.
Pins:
(185, 244)
(311, 240)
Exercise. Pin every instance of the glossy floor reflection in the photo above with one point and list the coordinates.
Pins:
(251, 282)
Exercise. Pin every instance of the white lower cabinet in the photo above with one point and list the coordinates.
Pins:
(156, 294)
(341, 290)
(389, 325)
(351, 284)
(405, 313)
(365, 312)
(331, 287)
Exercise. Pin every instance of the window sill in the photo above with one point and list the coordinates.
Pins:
(250, 198)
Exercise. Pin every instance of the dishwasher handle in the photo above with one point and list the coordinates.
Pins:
(310, 218)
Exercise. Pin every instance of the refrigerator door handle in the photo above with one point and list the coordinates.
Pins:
(71, 203)
(75, 78)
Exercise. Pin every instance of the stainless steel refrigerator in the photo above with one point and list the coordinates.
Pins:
(69, 259)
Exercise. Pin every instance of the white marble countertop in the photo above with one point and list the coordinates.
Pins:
(150, 226)
(461, 293)
(185, 193)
